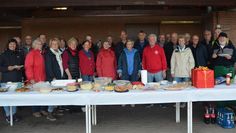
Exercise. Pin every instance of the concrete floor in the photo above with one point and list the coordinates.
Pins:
(115, 119)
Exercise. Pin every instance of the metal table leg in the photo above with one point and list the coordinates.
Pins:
(190, 117)
(177, 111)
(88, 118)
(11, 116)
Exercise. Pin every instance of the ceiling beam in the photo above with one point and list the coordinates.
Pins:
(173, 12)
(55, 3)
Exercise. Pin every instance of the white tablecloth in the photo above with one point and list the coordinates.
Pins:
(219, 93)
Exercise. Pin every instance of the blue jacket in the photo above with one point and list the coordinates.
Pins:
(123, 66)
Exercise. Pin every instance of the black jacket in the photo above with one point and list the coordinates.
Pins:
(118, 49)
(200, 55)
(169, 48)
(52, 67)
(222, 61)
(11, 58)
(139, 47)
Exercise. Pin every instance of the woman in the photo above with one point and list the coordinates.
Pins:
(35, 71)
(54, 69)
(106, 62)
(86, 62)
(182, 62)
(129, 64)
(11, 67)
(63, 45)
(70, 60)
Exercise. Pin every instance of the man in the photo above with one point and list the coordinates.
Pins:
(141, 42)
(43, 39)
(162, 40)
(121, 44)
(187, 37)
(154, 60)
(224, 56)
(169, 48)
(167, 37)
(94, 48)
(28, 44)
(199, 51)
(110, 41)
(208, 43)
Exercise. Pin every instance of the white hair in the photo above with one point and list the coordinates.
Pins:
(153, 35)
(35, 42)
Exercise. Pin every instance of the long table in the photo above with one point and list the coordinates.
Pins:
(91, 99)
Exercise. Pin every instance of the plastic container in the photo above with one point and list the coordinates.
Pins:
(225, 118)
(101, 82)
(86, 85)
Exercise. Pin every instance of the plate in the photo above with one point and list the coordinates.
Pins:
(73, 90)
(222, 55)
(122, 91)
(164, 82)
(3, 89)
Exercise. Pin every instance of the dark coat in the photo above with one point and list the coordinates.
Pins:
(139, 47)
(11, 58)
(169, 48)
(200, 55)
(122, 65)
(52, 67)
(222, 61)
(118, 49)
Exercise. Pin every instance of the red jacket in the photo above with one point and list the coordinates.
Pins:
(154, 59)
(106, 63)
(86, 64)
(34, 66)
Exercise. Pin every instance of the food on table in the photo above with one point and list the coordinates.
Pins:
(101, 82)
(45, 90)
(23, 89)
(86, 85)
(178, 86)
(164, 82)
(155, 85)
(72, 87)
(110, 87)
(122, 85)
(3, 89)
(137, 85)
(57, 90)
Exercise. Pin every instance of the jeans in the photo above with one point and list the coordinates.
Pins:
(155, 77)
(51, 108)
(181, 79)
(87, 78)
(7, 110)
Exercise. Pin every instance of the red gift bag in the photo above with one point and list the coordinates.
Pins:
(203, 78)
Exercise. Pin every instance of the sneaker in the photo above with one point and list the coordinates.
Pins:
(44, 113)
(8, 119)
(15, 118)
(37, 114)
(50, 117)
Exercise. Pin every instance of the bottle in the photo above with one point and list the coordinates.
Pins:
(213, 116)
(207, 118)
(228, 79)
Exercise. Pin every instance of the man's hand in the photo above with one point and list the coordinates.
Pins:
(164, 74)
(214, 55)
(228, 57)
(11, 68)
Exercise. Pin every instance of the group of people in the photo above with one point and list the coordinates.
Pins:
(167, 56)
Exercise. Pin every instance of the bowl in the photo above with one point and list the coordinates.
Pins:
(86, 85)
